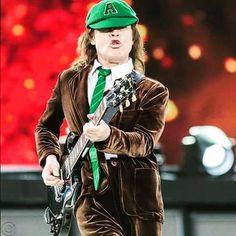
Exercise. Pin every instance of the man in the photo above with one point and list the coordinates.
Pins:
(121, 195)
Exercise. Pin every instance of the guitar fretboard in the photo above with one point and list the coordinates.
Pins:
(81, 147)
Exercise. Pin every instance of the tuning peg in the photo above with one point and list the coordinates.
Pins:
(134, 98)
(127, 103)
(121, 107)
(130, 83)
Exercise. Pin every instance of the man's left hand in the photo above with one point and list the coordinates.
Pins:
(96, 133)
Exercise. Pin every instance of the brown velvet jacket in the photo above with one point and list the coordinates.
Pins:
(133, 135)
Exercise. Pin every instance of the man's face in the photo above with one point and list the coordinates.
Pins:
(113, 45)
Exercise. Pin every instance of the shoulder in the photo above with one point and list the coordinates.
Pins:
(69, 74)
(150, 85)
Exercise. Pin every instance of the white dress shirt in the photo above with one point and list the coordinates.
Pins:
(117, 72)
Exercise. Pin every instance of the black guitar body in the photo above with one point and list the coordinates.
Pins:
(59, 214)
(61, 200)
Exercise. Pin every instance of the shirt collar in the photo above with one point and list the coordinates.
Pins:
(96, 65)
(116, 71)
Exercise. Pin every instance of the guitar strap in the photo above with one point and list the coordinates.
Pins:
(137, 77)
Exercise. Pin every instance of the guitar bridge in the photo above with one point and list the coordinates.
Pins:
(55, 222)
(49, 217)
(58, 193)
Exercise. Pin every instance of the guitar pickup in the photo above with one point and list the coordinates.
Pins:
(85, 151)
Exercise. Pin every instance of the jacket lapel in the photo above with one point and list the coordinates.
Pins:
(78, 88)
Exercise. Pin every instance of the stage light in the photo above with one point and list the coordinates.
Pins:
(167, 62)
(207, 151)
(172, 111)
(64, 59)
(159, 155)
(195, 51)
(230, 64)
(130, 2)
(18, 30)
(29, 83)
(187, 20)
(158, 53)
(20, 10)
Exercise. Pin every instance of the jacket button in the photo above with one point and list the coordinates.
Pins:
(114, 162)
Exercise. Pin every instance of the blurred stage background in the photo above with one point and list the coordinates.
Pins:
(190, 47)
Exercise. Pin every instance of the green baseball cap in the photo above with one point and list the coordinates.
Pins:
(110, 14)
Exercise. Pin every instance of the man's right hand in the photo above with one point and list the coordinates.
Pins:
(50, 173)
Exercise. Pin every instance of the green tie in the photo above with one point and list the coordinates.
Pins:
(96, 99)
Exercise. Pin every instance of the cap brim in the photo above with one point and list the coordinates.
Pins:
(113, 23)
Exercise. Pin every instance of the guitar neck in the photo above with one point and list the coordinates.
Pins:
(83, 144)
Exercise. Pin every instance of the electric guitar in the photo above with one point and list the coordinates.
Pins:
(61, 199)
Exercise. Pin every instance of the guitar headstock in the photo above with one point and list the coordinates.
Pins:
(122, 92)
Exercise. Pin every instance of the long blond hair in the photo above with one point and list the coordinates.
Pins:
(87, 51)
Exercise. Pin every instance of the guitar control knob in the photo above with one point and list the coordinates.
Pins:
(134, 98)
(121, 108)
(127, 103)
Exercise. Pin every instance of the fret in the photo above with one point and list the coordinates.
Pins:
(71, 160)
(72, 156)
(77, 150)
(100, 111)
(67, 167)
(64, 172)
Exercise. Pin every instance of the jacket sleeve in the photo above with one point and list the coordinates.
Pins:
(48, 128)
(148, 128)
